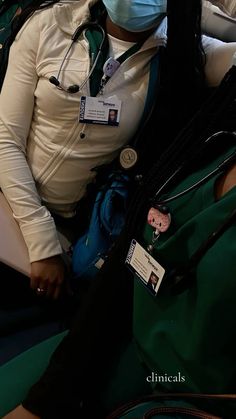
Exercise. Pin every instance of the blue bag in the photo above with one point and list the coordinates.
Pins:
(107, 220)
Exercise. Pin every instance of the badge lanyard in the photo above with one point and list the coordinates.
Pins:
(112, 64)
(129, 154)
(181, 278)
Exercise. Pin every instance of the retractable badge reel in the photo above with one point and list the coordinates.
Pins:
(128, 157)
(110, 67)
(159, 219)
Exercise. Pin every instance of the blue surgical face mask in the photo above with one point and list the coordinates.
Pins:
(136, 15)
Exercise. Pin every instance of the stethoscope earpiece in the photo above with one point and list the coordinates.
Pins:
(73, 89)
(54, 81)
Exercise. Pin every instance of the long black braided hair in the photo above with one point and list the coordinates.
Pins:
(81, 365)
(181, 87)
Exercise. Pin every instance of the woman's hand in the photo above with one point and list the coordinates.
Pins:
(47, 276)
(20, 413)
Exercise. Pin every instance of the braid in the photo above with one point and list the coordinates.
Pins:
(181, 87)
(185, 70)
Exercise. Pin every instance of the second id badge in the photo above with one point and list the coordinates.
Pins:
(98, 110)
(148, 270)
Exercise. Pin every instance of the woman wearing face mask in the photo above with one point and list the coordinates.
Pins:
(93, 370)
(47, 148)
(50, 140)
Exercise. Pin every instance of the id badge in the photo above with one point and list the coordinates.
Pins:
(147, 269)
(97, 110)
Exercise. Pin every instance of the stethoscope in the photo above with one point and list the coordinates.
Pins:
(181, 279)
(74, 88)
(158, 203)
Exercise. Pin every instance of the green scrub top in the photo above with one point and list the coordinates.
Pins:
(188, 340)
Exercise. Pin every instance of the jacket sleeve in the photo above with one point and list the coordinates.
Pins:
(16, 111)
(227, 6)
(219, 58)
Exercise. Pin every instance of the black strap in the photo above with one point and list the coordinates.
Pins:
(132, 50)
(184, 278)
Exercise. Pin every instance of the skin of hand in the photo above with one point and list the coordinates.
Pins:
(49, 275)
(20, 413)
(225, 182)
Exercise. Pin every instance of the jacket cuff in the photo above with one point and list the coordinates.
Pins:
(41, 239)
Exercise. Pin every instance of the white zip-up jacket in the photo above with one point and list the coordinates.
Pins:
(45, 162)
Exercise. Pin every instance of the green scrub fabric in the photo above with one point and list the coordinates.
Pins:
(17, 375)
(192, 334)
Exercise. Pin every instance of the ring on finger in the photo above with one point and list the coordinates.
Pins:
(40, 290)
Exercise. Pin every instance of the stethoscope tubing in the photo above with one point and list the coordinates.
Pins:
(227, 161)
(74, 39)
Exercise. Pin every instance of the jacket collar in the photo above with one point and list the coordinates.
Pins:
(70, 15)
